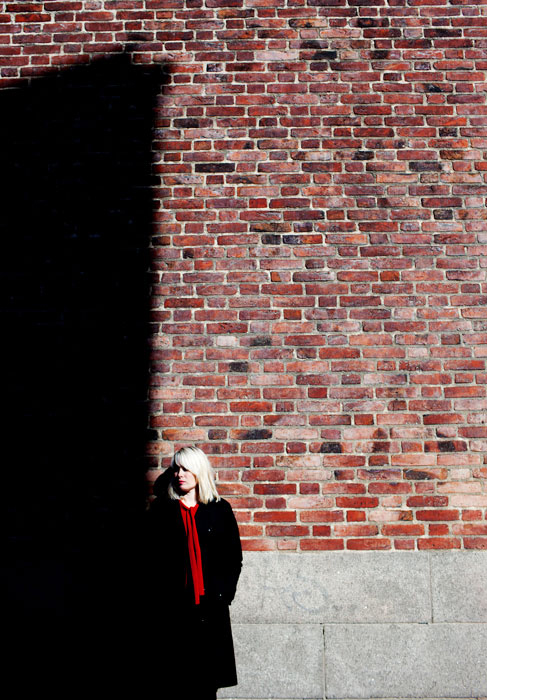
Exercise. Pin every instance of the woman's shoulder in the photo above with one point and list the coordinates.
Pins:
(219, 505)
(218, 509)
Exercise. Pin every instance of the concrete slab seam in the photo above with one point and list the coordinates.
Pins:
(324, 663)
(431, 595)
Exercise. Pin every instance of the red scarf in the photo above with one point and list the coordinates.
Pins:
(193, 549)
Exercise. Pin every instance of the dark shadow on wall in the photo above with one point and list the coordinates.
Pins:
(76, 221)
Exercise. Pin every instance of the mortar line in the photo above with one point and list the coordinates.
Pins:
(364, 624)
(431, 587)
(324, 660)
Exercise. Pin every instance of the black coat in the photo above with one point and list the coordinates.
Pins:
(198, 638)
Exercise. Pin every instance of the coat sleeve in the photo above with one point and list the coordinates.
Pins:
(231, 563)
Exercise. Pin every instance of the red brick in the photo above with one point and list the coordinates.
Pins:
(437, 514)
(439, 543)
(263, 475)
(275, 516)
(438, 529)
(475, 542)
(369, 543)
(354, 516)
(321, 516)
(344, 530)
(287, 530)
(469, 529)
(356, 502)
(389, 488)
(321, 544)
(258, 545)
(403, 529)
(340, 487)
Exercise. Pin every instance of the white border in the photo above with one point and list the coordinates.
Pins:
(513, 276)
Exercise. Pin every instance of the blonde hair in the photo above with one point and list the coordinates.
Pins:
(195, 460)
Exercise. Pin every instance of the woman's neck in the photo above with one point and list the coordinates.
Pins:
(190, 498)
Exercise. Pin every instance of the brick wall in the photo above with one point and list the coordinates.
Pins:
(317, 264)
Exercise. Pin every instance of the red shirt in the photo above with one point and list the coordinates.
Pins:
(194, 552)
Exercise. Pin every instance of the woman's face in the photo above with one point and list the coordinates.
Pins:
(185, 479)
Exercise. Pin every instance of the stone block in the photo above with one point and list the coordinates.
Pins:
(278, 661)
(333, 587)
(459, 586)
(405, 660)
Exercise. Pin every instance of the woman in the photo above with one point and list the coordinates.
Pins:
(197, 560)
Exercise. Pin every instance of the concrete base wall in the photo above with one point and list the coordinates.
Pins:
(342, 625)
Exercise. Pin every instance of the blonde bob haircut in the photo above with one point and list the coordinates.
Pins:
(195, 461)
